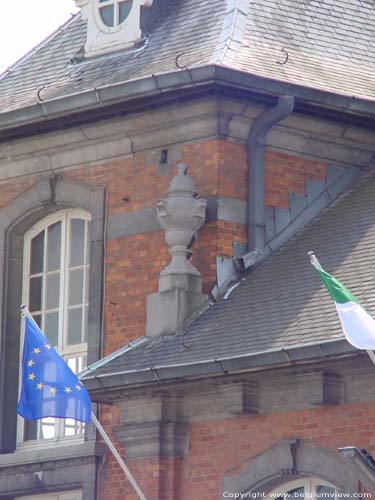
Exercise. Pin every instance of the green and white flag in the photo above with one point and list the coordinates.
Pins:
(357, 324)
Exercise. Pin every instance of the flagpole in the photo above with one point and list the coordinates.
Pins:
(117, 456)
(25, 313)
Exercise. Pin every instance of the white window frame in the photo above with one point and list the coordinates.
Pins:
(77, 495)
(309, 484)
(68, 352)
(116, 24)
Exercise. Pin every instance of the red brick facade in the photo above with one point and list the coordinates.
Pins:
(133, 265)
(219, 447)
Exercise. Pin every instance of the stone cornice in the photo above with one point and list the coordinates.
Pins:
(105, 101)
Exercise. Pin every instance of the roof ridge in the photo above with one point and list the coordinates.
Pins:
(232, 31)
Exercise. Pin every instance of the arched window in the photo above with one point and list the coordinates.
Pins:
(114, 12)
(309, 488)
(55, 290)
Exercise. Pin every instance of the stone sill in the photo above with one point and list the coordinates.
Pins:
(58, 452)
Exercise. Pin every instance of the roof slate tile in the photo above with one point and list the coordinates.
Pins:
(282, 303)
(330, 46)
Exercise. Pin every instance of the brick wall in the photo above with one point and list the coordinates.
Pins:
(219, 447)
(285, 174)
(135, 262)
(218, 168)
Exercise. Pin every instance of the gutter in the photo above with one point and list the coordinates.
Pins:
(250, 362)
(111, 357)
(105, 100)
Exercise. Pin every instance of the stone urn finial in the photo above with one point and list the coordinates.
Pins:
(181, 215)
(180, 295)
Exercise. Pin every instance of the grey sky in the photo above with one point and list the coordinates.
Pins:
(24, 24)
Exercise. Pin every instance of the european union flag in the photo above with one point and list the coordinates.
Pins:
(49, 387)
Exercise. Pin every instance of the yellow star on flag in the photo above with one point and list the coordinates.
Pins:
(36, 350)
(78, 387)
(53, 390)
(68, 390)
(47, 346)
(39, 386)
(30, 363)
(32, 376)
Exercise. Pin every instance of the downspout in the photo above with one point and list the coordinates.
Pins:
(256, 142)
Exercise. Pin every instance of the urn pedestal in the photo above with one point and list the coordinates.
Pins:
(181, 214)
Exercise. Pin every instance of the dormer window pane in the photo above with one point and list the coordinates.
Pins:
(107, 14)
(124, 10)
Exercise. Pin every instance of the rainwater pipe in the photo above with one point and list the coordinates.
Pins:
(256, 143)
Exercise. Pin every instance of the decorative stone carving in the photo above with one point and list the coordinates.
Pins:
(181, 214)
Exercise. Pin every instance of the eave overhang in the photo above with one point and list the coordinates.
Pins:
(122, 98)
(102, 384)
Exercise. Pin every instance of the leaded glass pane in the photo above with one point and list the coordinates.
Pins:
(124, 10)
(30, 430)
(107, 14)
(36, 293)
(74, 326)
(38, 319)
(53, 291)
(37, 254)
(75, 287)
(77, 242)
(51, 328)
(54, 247)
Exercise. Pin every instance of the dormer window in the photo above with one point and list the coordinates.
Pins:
(114, 12)
(112, 25)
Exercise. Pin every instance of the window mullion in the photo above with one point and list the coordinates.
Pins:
(64, 282)
(116, 17)
(62, 320)
(44, 279)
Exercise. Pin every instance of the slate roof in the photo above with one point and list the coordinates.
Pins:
(282, 303)
(329, 44)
